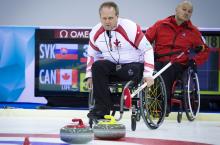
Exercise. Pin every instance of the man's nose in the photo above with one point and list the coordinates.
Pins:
(107, 21)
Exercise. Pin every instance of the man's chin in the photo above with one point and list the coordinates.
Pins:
(107, 28)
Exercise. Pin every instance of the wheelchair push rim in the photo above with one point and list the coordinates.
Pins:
(192, 97)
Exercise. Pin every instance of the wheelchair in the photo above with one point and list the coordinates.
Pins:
(149, 104)
(186, 94)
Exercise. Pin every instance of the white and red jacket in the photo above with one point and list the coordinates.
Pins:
(127, 44)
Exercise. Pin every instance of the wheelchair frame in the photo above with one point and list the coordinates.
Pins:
(150, 104)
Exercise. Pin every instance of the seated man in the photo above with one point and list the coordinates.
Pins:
(176, 34)
(126, 54)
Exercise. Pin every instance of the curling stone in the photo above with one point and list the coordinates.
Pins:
(108, 129)
(76, 134)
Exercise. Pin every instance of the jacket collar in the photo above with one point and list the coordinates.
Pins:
(171, 20)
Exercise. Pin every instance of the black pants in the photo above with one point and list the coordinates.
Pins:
(103, 71)
(169, 76)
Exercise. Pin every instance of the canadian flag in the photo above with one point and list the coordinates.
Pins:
(66, 76)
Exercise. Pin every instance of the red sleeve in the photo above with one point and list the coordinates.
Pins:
(203, 55)
(151, 33)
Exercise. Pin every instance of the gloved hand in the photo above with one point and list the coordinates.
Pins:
(192, 64)
(199, 48)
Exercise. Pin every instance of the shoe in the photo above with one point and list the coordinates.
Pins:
(96, 114)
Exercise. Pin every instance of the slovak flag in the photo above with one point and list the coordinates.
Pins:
(67, 77)
(66, 51)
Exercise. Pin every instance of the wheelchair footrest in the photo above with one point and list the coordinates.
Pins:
(176, 101)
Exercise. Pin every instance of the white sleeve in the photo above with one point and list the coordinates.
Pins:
(147, 50)
(93, 55)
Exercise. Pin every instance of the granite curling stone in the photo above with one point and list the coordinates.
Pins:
(108, 129)
(76, 133)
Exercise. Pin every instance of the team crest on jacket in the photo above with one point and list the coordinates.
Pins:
(184, 34)
(117, 43)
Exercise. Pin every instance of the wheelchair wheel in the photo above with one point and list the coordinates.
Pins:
(153, 103)
(133, 122)
(179, 116)
(192, 95)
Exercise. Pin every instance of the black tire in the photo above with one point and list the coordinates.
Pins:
(179, 117)
(154, 103)
(133, 122)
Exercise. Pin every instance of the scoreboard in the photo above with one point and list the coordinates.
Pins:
(60, 62)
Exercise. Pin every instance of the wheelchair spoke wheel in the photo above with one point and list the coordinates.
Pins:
(192, 96)
(154, 103)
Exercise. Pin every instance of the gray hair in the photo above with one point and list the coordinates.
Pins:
(109, 4)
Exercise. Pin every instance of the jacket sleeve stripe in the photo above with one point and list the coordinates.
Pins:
(149, 65)
(90, 61)
(100, 31)
(93, 46)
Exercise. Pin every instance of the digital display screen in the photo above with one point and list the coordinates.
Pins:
(209, 72)
(60, 62)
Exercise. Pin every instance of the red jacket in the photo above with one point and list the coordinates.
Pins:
(168, 37)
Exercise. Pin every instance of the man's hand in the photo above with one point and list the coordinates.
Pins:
(149, 81)
(89, 83)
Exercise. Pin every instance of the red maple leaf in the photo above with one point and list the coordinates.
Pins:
(117, 43)
(66, 76)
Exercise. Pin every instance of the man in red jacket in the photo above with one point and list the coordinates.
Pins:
(172, 35)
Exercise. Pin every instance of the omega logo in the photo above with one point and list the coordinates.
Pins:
(63, 34)
(72, 33)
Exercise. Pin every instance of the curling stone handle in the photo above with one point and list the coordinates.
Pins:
(78, 120)
(111, 118)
